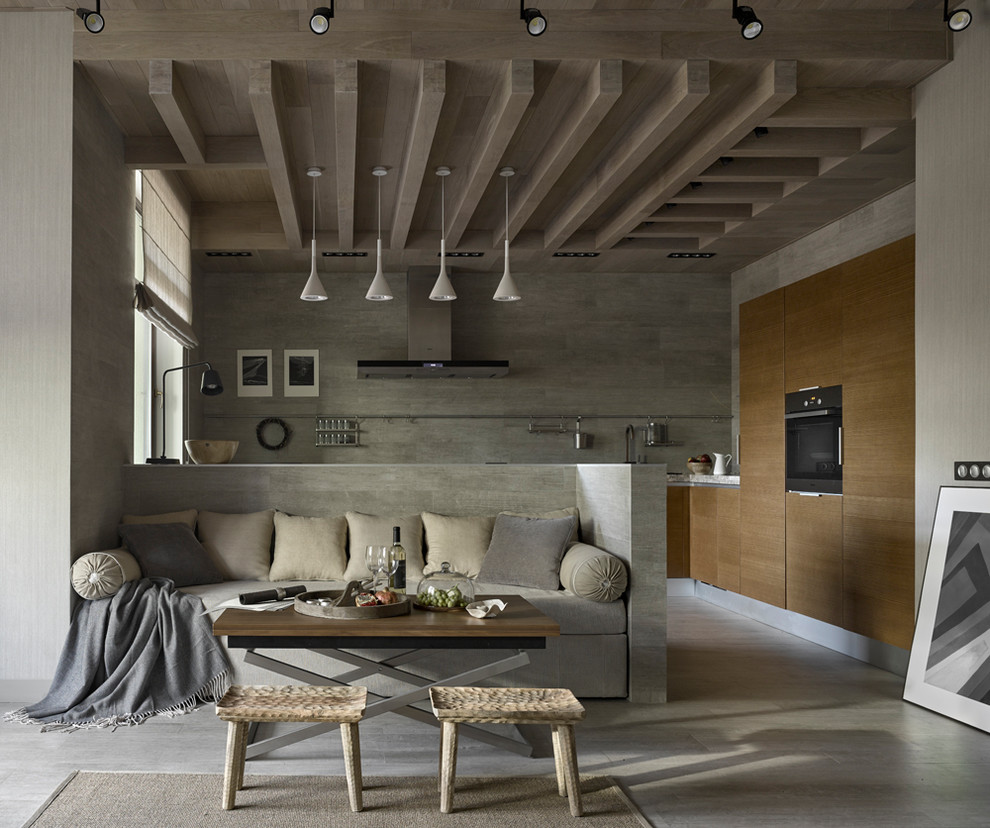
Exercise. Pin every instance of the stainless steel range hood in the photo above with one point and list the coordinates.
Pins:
(428, 341)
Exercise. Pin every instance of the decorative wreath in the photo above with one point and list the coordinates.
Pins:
(274, 421)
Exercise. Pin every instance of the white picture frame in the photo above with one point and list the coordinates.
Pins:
(301, 374)
(254, 373)
(949, 667)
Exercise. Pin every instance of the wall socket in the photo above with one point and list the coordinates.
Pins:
(972, 470)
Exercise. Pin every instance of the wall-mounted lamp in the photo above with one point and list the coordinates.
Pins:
(319, 22)
(313, 291)
(750, 23)
(958, 20)
(209, 386)
(93, 20)
(536, 23)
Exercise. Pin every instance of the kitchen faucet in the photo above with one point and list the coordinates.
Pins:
(630, 444)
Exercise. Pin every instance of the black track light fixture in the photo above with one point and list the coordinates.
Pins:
(319, 21)
(536, 23)
(750, 23)
(760, 132)
(92, 20)
(958, 20)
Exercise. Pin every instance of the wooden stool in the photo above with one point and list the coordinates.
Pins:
(509, 705)
(243, 704)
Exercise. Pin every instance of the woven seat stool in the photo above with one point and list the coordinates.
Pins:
(509, 705)
(243, 704)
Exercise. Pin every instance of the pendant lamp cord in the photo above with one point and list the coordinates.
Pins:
(379, 208)
(443, 215)
(506, 208)
(314, 217)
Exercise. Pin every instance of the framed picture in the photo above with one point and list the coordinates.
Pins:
(302, 373)
(254, 373)
(949, 667)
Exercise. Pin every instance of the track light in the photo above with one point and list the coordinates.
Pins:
(751, 24)
(507, 290)
(313, 291)
(443, 290)
(94, 22)
(379, 290)
(319, 22)
(536, 23)
(958, 20)
(760, 132)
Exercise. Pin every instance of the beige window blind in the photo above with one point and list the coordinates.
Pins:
(166, 295)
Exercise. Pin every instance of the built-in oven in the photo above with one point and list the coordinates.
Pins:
(813, 426)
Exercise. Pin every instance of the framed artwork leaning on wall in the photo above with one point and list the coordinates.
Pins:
(949, 667)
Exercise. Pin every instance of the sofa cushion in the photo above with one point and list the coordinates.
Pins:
(240, 544)
(309, 547)
(376, 530)
(170, 550)
(593, 573)
(100, 574)
(554, 513)
(460, 541)
(526, 551)
(186, 516)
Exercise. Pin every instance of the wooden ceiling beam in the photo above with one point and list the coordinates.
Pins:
(732, 192)
(222, 153)
(345, 108)
(430, 94)
(685, 92)
(795, 142)
(505, 110)
(673, 230)
(265, 93)
(238, 226)
(170, 99)
(845, 107)
(761, 169)
(601, 90)
(702, 212)
(776, 85)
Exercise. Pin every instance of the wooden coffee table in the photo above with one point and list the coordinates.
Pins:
(521, 627)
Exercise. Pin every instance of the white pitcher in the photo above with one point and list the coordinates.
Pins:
(722, 463)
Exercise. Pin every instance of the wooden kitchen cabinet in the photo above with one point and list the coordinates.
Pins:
(678, 528)
(727, 538)
(761, 448)
(704, 534)
(814, 556)
(813, 331)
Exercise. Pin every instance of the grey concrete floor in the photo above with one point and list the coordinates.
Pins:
(761, 729)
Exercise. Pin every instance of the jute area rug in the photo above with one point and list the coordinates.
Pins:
(176, 800)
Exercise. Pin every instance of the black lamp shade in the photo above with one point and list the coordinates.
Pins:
(319, 23)
(959, 19)
(536, 23)
(211, 385)
(92, 20)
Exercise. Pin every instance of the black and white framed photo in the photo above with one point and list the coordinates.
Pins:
(949, 668)
(254, 373)
(302, 373)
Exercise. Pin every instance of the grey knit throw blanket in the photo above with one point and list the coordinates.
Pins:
(146, 651)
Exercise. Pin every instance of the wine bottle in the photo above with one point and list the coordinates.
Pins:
(398, 554)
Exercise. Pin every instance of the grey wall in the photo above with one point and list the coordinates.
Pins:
(952, 291)
(577, 344)
(35, 340)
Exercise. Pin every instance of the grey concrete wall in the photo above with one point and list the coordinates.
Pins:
(578, 344)
(952, 291)
(35, 343)
(102, 321)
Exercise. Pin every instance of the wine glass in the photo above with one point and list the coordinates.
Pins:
(373, 557)
(388, 565)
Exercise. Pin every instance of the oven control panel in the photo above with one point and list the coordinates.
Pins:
(809, 399)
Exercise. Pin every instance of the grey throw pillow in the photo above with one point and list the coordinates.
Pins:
(170, 550)
(526, 551)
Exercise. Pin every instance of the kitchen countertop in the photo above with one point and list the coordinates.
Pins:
(676, 479)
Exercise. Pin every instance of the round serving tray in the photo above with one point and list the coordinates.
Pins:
(438, 609)
(348, 611)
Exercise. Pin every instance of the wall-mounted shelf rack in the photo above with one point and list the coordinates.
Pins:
(336, 432)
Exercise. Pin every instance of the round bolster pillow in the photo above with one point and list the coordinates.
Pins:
(593, 573)
(101, 574)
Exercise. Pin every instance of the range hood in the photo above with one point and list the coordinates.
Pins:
(428, 341)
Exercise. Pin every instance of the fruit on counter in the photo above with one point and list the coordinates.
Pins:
(701, 458)
(376, 599)
(441, 598)
(365, 599)
(386, 596)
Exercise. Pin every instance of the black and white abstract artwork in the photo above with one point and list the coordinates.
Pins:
(254, 373)
(302, 373)
(949, 668)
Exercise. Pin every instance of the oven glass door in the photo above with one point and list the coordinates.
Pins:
(814, 453)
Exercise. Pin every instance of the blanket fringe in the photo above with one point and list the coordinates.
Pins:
(212, 691)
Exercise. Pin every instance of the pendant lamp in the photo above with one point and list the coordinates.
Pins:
(379, 290)
(443, 290)
(507, 290)
(314, 292)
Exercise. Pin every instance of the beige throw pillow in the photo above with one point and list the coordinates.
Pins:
(100, 574)
(309, 548)
(240, 545)
(376, 530)
(461, 541)
(593, 573)
(186, 516)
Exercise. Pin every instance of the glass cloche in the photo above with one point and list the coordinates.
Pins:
(445, 590)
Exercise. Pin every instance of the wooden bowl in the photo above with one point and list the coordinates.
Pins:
(700, 468)
(211, 451)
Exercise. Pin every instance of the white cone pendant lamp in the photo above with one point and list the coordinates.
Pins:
(314, 292)
(379, 290)
(443, 290)
(507, 290)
